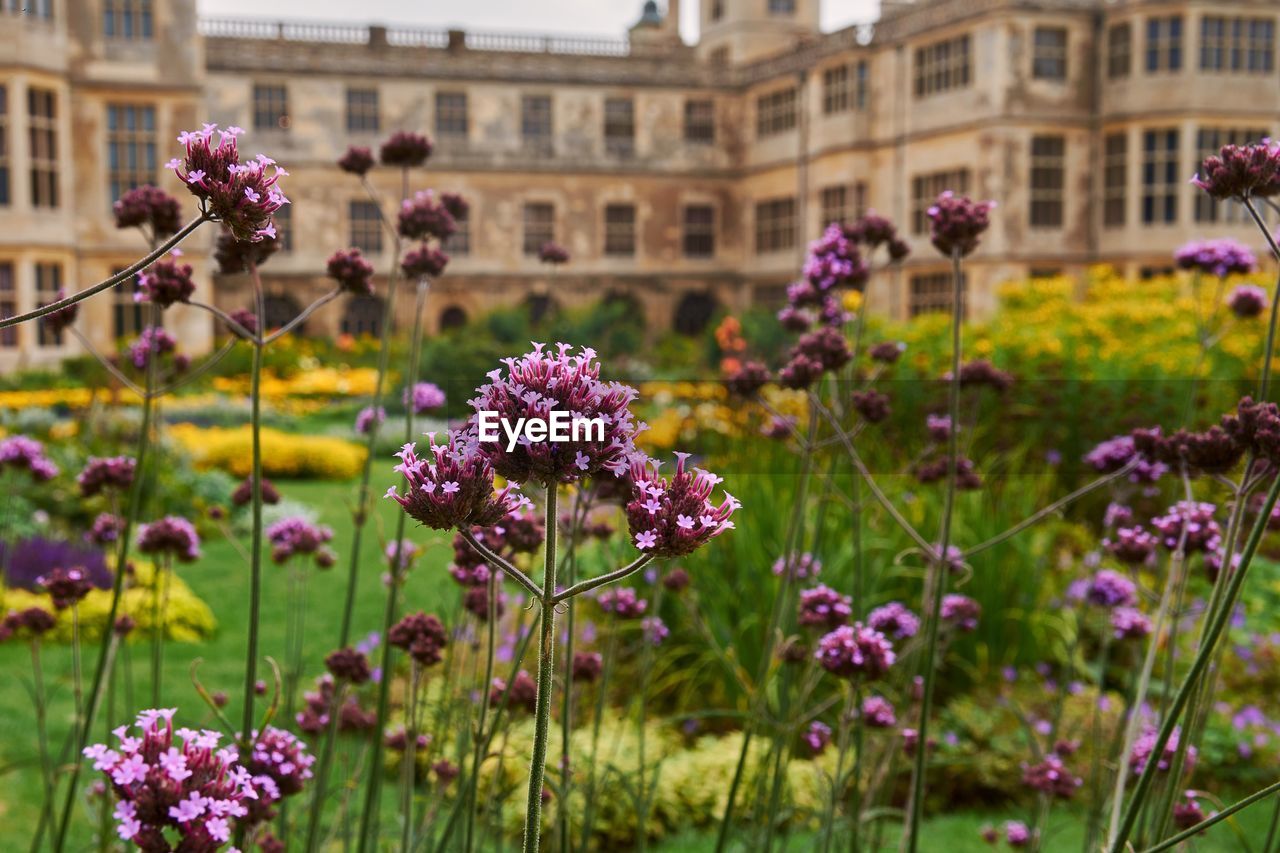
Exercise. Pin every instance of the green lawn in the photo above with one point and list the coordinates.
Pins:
(221, 579)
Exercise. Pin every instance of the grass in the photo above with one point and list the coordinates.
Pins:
(221, 579)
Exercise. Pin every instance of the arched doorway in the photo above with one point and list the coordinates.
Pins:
(452, 317)
(694, 313)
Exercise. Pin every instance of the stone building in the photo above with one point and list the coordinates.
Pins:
(682, 178)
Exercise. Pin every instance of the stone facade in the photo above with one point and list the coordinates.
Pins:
(683, 178)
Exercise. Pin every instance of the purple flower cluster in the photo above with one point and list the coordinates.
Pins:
(405, 149)
(351, 271)
(894, 620)
(878, 713)
(1189, 525)
(453, 489)
(151, 207)
(523, 693)
(1247, 301)
(295, 536)
(172, 535)
(423, 217)
(855, 650)
(66, 587)
(22, 453)
(672, 518)
(1237, 171)
(587, 666)
(747, 379)
(32, 623)
(424, 262)
(368, 418)
(1216, 257)
(114, 472)
(1145, 745)
(961, 612)
(956, 223)
(823, 607)
(817, 738)
(165, 283)
(1131, 545)
(540, 382)
(1051, 776)
(553, 253)
(356, 160)
(425, 397)
(280, 767)
(106, 529)
(622, 602)
(798, 566)
(834, 261)
(193, 791)
(872, 405)
(655, 630)
(1115, 453)
(422, 635)
(243, 494)
(242, 196)
(153, 339)
(1129, 623)
(1111, 589)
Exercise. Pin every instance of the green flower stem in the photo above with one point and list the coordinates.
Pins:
(124, 275)
(477, 757)
(373, 788)
(775, 619)
(1208, 644)
(409, 758)
(255, 538)
(106, 646)
(546, 680)
(602, 695)
(159, 571)
(371, 444)
(42, 736)
(939, 585)
(1193, 831)
(580, 505)
(320, 783)
(502, 564)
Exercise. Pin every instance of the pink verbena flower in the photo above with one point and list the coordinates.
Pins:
(422, 635)
(452, 489)
(747, 379)
(956, 223)
(1216, 257)
(153, 341)
(798, 566)
(242, 196)
(165, 283)
(553, 253)
(172, 535)
(357, 160)
(1051, 776)
(823, 607)
(423, 217)
(425, 397)
(1017, 834)
(192, 790)
(834, 261)
(961, 611)
(1237, 171)
(541, 382)
(855, 650)
(280, 766)
(65, 587)
(1129, 623)
(351, 271)
(368, 418)
(151, 207)
(1195, 520)
(1145, 745)
(405, 149)
(405, 551)
(622, 602)
(672, 518)
(655, 630)
(424, 262)
(1132, 545)
(295, 536)
(817, 738)
(894, 620)
(1111, 589)
(114, 472)
(1247, 301)
(878, 713)
(106, 529)
(22, 453)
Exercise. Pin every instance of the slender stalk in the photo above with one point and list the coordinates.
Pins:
(384, 356)
(373, 788)
(546, 680)
(478, 753)
(607, 578)
(409, 758)
(320, 783)
(1208, 644)
(42, 734)
(580, 505)
(497, 562)
(106, 648)
(124, 275)
(939, 585)
(1193, 831)
(255, 539)
(158, 569)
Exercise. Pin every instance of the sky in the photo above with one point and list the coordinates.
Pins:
(594, 17)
